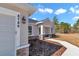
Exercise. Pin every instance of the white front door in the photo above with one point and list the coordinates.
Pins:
(7, 35)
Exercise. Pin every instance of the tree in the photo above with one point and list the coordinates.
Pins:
(76, 26)
(61, 27)
(55, 20)
(56, 23)
(65, 27)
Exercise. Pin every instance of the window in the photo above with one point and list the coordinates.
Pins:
(30, 30)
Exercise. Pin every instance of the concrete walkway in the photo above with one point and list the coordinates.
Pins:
(72, 50)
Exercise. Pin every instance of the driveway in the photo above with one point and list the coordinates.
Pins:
(71, 50)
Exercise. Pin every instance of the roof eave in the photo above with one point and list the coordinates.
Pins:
(19, 7)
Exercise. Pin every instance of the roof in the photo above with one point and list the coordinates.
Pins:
(32, 20)
(46, 22)
(46, 19)
(42, 21)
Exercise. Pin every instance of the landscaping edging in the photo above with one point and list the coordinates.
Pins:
(59, 52)
(23, 52)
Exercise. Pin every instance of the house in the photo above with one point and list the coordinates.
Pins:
(14, 28)
(40, 29)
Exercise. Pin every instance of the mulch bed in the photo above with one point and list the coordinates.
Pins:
(45, 48)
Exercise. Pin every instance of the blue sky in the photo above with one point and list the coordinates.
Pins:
(65, 12)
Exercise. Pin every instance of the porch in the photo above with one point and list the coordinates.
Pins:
(45, 32)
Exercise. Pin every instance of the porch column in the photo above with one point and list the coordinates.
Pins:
(41, 32)
(50, 30)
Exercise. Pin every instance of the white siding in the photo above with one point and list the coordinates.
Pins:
(24, 31)
(35, 29)
(50, 24)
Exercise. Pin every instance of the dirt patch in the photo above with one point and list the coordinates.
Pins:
(71, 38)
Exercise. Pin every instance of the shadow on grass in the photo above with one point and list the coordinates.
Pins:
(55, 36)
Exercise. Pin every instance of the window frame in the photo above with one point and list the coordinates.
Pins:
(29, 30)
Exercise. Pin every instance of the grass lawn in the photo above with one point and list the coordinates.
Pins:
(71, 38)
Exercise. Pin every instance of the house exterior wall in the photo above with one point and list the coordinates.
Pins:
(22, 39)
(47, 30)
(50, 25)
(23, 49)
(35, 30)
(47, 27)
(23, 31)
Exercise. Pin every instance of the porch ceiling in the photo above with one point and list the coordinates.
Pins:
(45, 24)
(19, 7)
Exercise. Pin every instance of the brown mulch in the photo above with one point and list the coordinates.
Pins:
(60, 51)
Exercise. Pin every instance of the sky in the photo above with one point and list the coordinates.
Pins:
(65, 12)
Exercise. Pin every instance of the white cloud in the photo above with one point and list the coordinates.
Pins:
(77, 11)
(72, 9)
(76, 6)
(34, 18)
(49, 10)
(60, 11)
(41, 10)
(76, 18)
(45, 10)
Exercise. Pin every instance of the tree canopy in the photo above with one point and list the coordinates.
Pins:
(76, 26)
(61, 27)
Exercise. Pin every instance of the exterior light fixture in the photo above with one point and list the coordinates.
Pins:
(23, 20)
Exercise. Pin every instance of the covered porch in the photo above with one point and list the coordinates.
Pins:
(45, 32)
(46, 29)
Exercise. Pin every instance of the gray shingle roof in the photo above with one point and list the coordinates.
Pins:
(32, 20)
